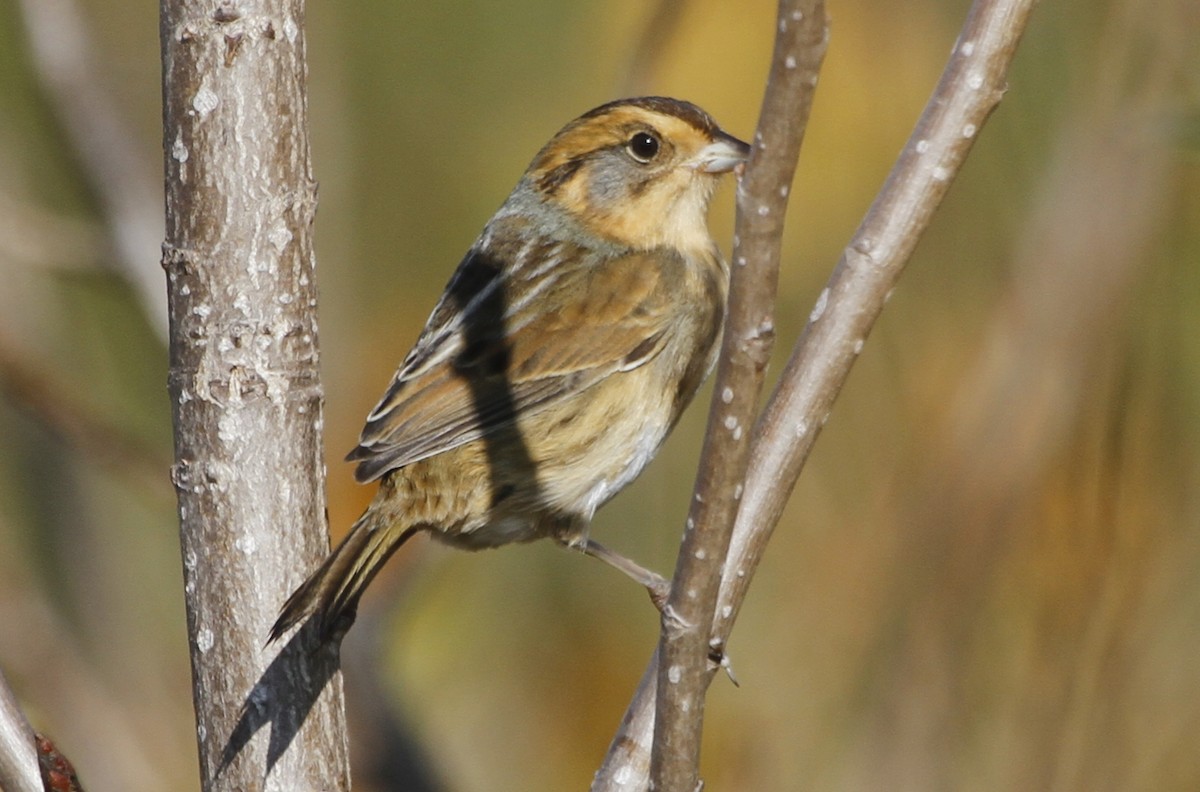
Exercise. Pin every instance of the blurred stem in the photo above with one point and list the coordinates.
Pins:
(684, 648)
(54, 404)
(245, 389)
(970, 88)
(115, 169)
(1015, 413)
(656, 36)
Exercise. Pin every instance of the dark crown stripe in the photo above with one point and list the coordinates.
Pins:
(685, 111)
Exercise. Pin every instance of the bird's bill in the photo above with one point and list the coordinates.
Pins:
(722, 155)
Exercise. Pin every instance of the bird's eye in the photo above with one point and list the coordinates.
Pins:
(642, 146)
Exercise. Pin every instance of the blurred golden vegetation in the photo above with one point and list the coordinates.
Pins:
(989, 576)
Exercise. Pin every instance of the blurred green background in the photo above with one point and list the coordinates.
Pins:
(989, 575)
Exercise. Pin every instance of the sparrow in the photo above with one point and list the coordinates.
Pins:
(561, 354)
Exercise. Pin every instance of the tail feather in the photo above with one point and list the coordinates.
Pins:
(330, 594)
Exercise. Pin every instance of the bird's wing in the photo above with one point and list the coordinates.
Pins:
(508, 341)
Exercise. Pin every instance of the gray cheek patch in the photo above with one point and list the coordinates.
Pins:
(616, 178)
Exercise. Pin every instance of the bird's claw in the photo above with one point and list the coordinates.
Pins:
(717, 656)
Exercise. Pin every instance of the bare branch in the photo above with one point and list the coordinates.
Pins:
(18, 754)
(800, 40)
(968, 91)
(245, 387)
(970, 88)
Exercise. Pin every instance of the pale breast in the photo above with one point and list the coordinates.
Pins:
(616, 429)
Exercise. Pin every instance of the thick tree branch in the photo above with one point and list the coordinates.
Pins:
(684, 649)
(247, 403)
(970, 88)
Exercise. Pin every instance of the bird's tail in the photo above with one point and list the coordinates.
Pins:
(330, 594)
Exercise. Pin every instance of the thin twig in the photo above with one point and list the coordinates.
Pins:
(801, 37)
(970, 88)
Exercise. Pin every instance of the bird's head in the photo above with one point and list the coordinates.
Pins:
(639, 172)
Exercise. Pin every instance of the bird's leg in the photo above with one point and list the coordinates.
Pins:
(657, 585)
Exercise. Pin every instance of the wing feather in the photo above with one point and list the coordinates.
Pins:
(478, 365)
